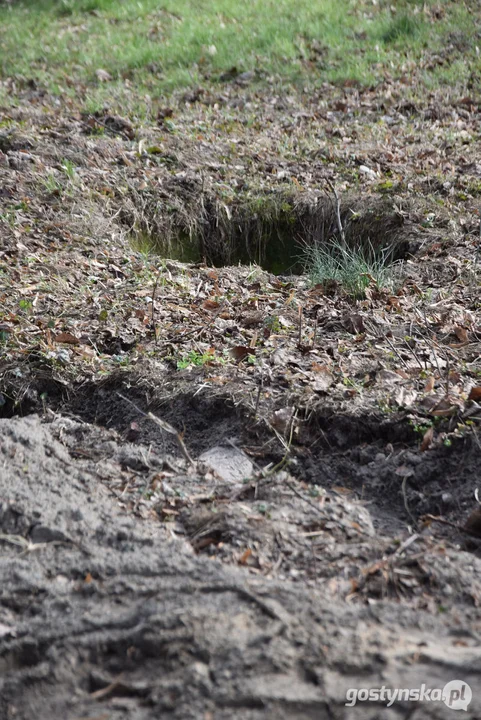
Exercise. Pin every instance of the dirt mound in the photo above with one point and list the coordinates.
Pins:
(108, 614)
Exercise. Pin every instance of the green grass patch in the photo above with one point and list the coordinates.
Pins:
(353, 268)
(401, 29)
(153, 47)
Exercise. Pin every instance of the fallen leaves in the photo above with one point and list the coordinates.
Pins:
(67, 338)
(323, 378)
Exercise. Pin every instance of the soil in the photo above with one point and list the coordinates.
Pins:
(226, 493)
(108, 612)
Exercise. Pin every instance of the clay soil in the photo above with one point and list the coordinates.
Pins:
(226, 493)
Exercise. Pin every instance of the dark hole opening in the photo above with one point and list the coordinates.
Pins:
(278, 234)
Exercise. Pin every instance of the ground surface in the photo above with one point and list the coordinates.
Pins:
(106, 612)
(226, 493)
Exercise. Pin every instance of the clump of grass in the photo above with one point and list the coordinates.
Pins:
(401, 28)
(353, 268)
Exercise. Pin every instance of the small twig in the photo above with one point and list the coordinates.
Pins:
(315, 333)
(396, 352)
(338, 211)
(153, 305)
(415, 355)
(164, 426)
(261, 384)
(410, 540)
(108, 689)
(28, 546)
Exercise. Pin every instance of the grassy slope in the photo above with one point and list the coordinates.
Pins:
(154, 47)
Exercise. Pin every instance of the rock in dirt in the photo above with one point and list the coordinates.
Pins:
(229, 463)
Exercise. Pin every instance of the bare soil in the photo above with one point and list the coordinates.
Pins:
(226, 493)
(107, 612)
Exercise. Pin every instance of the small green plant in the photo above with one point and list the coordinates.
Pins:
(51, 184)
(69, 169)
(194, 358)
(272, 324)
(354, 268)
(421, 428)
(25, 305)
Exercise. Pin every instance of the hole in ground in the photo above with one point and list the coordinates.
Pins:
(275, 231)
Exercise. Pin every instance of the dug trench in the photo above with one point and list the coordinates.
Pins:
(234, 571)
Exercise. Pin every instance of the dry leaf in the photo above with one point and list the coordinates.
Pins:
(427, 439)
(240, 352)
(66, 337)
(353, 323)
(461, 334)
(210, 305)
(429, 386)
(245, 556)
(323, 379)
(475, 393)
(405, 397)
(394, 302)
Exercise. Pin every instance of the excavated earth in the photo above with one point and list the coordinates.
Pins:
(107, 612)
(226, 494)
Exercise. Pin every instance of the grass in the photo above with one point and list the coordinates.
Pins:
(353, 268)
(153, 48)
